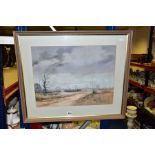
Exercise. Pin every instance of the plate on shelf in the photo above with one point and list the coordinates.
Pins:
(147, 100)
(151, 111)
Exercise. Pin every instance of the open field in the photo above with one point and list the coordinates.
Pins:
(90, 97)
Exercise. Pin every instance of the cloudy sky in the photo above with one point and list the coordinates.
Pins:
(74, 66)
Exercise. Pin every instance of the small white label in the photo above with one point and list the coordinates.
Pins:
(69, 113)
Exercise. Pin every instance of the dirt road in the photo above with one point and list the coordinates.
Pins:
(65, 101)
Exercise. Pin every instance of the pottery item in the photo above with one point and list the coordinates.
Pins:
(130, 107)
(12, 117)
(148, 99)
(131, 119)
(131, 112)
(140, 103)
(131, 115)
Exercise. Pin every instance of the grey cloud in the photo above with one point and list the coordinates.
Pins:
(98, 67)
(104, 63)
(49, 53)
(53, 68)
(108, 59)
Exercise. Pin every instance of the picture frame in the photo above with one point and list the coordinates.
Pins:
(73, 75)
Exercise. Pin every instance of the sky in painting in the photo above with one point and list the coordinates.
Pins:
(69, 67)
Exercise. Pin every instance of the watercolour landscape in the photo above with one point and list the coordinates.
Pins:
(73, 75)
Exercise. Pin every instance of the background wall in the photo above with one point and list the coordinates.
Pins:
(140, 40)
(140, 35)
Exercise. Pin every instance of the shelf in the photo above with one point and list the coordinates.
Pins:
(145, 88)
(150, 90)
(147, 67)
(134, 83)
(8, 92)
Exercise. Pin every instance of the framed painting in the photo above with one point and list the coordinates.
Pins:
(69, 76)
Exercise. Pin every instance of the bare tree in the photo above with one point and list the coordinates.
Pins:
(38, 88)
(45, 83)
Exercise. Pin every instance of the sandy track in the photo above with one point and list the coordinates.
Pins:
(65, 101)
